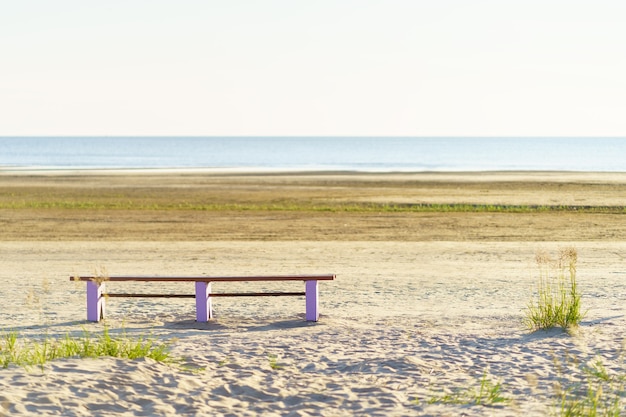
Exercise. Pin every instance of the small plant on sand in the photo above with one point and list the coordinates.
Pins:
(558, 301)
(598, 393)
(273, 360)
(488, 393)
(32, 353)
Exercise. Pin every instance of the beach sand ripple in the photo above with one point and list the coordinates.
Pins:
(404, 324)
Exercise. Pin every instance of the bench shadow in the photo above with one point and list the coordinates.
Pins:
(243, 325)
(176, 327)
(191, 324)
(282, 325)
(44, 327)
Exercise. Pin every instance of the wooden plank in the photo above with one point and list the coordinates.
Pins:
(326, 277)
(119, 295)
(256, 294)
(239, 294)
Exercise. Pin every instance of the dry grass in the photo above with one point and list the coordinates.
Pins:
(305, 207)
(558, 298)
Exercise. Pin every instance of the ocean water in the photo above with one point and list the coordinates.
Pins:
(369, 154)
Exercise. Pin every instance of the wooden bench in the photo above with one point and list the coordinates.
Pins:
(96, 291)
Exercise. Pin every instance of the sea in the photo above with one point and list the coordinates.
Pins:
(361, 154)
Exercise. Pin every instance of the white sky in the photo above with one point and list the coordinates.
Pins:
(313, 67)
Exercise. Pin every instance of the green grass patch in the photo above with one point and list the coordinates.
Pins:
(307, 206)
(273, 362)
(487, 393)
(17, 351)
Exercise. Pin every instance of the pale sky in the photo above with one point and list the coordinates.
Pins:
(313, 67)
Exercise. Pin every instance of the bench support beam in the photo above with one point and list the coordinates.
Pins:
(311, 290)
(96, 302)
(204, 306)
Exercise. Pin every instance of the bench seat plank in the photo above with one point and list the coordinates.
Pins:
(140, 278)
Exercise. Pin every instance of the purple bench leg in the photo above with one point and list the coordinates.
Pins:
(204, 307)
(312, 300)
(95, 301)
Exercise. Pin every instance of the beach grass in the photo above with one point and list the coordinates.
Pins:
(582, 390)
(487, 393)
(599, 393)
(16, 351)
(558, 302)
(273, 362)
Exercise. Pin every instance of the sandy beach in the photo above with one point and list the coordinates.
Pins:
(425, 304)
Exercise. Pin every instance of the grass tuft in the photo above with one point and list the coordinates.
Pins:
(273, 362)
(558, 303)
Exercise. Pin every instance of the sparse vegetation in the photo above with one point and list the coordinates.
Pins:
(558, 303)
(273, 360)
(488, 393)
(14, 350)
(308, 206)
(388, 207)
(599, 393)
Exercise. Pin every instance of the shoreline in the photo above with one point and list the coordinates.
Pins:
(444, 174)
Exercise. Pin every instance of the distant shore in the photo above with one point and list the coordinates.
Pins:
(526, 175)
(193, 205)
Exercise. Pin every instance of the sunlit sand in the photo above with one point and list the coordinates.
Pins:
(409, 319)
